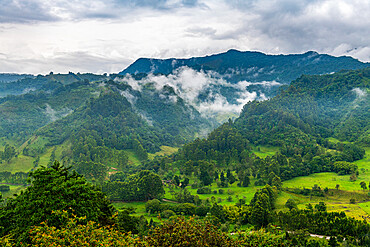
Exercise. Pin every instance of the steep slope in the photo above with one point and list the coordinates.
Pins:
(313, 106)
(154, 117)
(299, 121)
(21, 115)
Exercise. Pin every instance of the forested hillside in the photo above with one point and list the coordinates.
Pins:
(110, 134)
(300, 121)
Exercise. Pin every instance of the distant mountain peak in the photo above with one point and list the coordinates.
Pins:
(252, 66)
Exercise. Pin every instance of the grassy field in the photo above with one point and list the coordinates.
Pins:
(139, 209)
(165, 150)
(263, 151)
(337, 200)
(330, 179)
(20, 164)
(132, 158)
(365, 206)
(14, 189)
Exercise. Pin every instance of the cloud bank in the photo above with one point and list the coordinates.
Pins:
(39, 36)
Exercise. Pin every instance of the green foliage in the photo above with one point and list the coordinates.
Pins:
(142, 186)
(77, 232)
(326, 223)
(262, 238)
(4, 188)
(53, 189)
(262, 204)
(290, 203)
(188, 232)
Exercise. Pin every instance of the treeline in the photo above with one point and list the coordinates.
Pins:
(230, 160)
(14, 178)
(143, 186)
(259, 212)
(8, 153)
(319, 221)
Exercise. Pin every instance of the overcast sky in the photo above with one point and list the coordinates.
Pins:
(39, 36)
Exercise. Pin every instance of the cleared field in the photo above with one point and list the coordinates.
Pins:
(14, 189)
(19, 164)
(326, 179)
(132, 158)
(365, 206)
(165, 150)
(264, 151)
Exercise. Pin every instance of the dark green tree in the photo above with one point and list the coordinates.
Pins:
(363, 185)
(246, 181)
(53, 188)
(290, 203)
(205, 178)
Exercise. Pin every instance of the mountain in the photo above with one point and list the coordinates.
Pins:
(9, 77)
(154, 117)
(219, 85)
(250, 66)
(104, 114)
(318, 121)
(27, 84)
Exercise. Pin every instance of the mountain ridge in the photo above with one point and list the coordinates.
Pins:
(248, 65)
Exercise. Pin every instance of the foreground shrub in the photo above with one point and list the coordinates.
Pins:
(75, 234)
(188, 232)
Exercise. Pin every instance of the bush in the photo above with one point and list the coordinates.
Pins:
(230, 192)
(204, 190)
(167, 214)
(188, 232)
(221, 191)
(4, 188)
(259, 182)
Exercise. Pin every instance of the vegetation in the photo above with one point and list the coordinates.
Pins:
(274, 176)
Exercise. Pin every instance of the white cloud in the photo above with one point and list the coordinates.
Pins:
(190, 85)
(38, 36)
(359, 92)
(55, 114)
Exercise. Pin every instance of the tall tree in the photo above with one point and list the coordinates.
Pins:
(53, 188)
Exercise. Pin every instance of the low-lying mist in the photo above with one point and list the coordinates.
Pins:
(209, 92)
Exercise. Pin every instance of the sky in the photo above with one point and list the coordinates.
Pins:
(105, 36)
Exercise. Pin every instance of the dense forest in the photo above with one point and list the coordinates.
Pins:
(97, 173)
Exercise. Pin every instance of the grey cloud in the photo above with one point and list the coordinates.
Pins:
(25, 11)
(12, 11)
(288, 26)
(159, 4)
(201, 31)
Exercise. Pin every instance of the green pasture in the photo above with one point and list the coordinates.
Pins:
(264, 151)
(365, 206)
(132, 158)
(18, 164)
(165, 151)
(329, 180)
(139, 209)
(14, 189)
